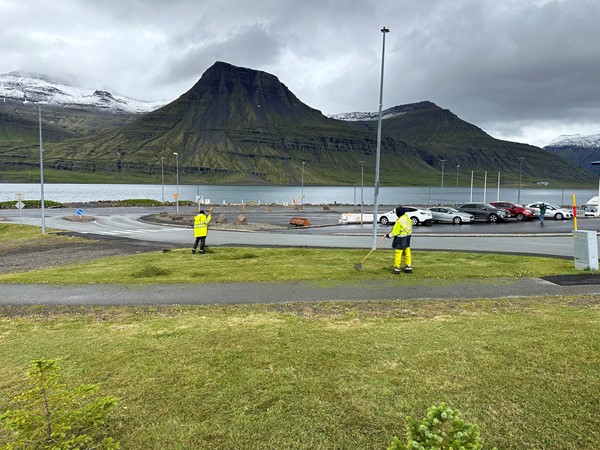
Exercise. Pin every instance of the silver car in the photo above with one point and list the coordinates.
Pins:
(450, 215)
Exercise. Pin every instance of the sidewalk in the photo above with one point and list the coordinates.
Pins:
(249, 293)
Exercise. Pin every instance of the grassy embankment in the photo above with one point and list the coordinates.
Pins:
(324, 375)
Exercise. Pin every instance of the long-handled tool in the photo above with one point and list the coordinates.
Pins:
(358, 265)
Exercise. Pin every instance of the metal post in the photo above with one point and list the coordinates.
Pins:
(384, 30)
(484, 184)
(177, 182)
(498, 193)
(302, 189)
(362, 183)
(162, 177)
(457, 166)
(521, 158)
(42, 171)
(471, 195)
(443, 161)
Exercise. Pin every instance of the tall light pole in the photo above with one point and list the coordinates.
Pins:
(457, 166)
(443, 161)
(597, 163)
(177, 182)
(362, 183)
(521, 158)
(302, 188)
(384, 30)
(162, 177)
(42, 170)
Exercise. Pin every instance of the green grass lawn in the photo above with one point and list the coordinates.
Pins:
(324, 376)
(227, 265)
(321, 375)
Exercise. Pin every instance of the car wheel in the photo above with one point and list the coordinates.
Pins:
(415, 221)
(493, 218)
(384, 221)
(457, 220)
(520, 217)
(558, 216)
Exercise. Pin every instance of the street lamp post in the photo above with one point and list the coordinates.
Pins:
(162, 178)
(42, 171)
(457, 166)
(597, 163)
(302, 188)
(443, 161)
(362, 183)
(177, 182)
(521, 158)
(384, 30)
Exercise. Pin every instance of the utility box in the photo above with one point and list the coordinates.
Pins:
(585, 249)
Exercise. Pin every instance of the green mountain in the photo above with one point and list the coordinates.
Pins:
(438, 134)
(238, 125)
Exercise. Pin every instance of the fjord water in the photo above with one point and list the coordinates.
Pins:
(320, 195)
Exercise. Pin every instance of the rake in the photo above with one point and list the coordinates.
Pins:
(358, 265)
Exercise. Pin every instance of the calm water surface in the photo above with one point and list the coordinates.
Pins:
(70, 193)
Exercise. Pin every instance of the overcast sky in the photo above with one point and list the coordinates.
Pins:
(523, 70)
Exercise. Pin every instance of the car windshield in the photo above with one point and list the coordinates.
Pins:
(452, 210)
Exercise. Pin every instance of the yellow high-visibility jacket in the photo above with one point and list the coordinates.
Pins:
(402, 227)
(201, 225)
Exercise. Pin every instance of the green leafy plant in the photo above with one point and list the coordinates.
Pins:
(440, 429)
(51, 416)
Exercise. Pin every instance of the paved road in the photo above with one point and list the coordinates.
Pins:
(554, 239)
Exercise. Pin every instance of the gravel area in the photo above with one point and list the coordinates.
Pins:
(39, 254)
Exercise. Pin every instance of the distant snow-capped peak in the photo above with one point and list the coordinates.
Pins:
(386, 113)
(576, 140)
(34, 87)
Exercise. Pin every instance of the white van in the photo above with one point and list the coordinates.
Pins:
(590, 208)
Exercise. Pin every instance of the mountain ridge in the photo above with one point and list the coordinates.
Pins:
(239, 125)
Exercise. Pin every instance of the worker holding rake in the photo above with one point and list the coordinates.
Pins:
(401, 234)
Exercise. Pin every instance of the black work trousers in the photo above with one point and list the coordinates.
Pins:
(202, 241)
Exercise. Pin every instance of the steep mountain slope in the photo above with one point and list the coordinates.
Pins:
(439, 134)
(577, 149)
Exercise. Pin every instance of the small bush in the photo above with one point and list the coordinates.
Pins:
(51, 416)
(440, 429)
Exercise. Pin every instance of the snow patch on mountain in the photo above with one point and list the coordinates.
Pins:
(386, 113)
(34, 87)
(576, 140)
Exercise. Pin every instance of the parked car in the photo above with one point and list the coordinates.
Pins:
(450, 215)
(554, 211)
(484, 211)
(417, 215)
(515, 210)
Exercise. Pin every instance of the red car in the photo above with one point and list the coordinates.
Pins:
(515, 210)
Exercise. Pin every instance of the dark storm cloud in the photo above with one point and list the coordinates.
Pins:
(520, 69)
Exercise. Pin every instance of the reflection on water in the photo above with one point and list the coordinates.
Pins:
(424, 195)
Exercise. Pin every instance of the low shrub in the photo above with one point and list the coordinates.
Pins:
(440, 429)
(51, 416)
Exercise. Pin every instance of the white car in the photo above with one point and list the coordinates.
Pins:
(553, 211)
(417, 215)
(450, 215)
